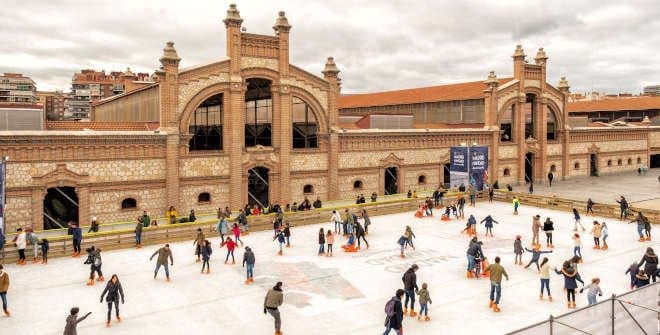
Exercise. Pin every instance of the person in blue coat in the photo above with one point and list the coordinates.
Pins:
(489, 224)
(536, 254)
(76, 238)
(222, 227)
(571, 277)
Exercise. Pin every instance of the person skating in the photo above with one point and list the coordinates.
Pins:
(409, 237)
(641, 279)
(516, 204)
(138, 234)
(222, 228)
(330, 240)
(536, 227)
(279, 236)
(548, 228)
(590, 206)
(402, 243)
(491, 194)
(76, 237)
(335, 220)
(350, 244)
(198, 243)
(518, 250)
(650, 262)
(641, 220)
(33, 239)
(231, 245)
(206, 256)
(596, 232)
(536, 255)
(571, 277)
(45, 246)
(473, 249)
(470, 226)
(633, 269)
(237, 233)
(248, 263)
(114, 291)
(73, 320)
(287, 234)
(163, 254)
(605, 232)
(577, 245)
(21, 243)
(623, 206)
(273, 300)
(410, 288)
(424, 301)
(321, 242)
(360, 235)
(544, 274)
(576, 216)
(95, 262)
(593, 290)
(460, 205)
(489, 224)
(4, 287)
(496, 272)
(394, 314)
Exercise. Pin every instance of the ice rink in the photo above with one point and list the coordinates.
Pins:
(344, 294)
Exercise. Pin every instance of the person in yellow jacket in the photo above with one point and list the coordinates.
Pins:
(171, 215)
(516, 204)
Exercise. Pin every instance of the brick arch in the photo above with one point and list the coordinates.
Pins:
(319, 112)
(201, 96)
(258, 72)
(559, 115)
(507, 105)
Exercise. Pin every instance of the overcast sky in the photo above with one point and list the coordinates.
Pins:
(611, 46)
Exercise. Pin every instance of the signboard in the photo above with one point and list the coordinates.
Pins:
(458, 166)
(478, 167)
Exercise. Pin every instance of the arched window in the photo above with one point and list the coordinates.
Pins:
(629, 161)
(619, 162)
(305, 126)
(206, 125)
(128, 203)
(421, 180)
(258, 113)
(553, 168)
(507, 172)
(529, 110)
(204, 197)
(576, 166)
(639, 160)
(357, 185)
(308, 189)
(506, 126)
(551, 131)
(609, 162)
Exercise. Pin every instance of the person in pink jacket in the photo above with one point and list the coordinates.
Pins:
(237, 233)
(329, 240)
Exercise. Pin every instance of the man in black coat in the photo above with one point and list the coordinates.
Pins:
(395, 321)
(550, 177)
(410, 288)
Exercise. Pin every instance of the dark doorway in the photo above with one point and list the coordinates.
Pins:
(529, 167)
(60, 207)
(655, 161)
(593, 165)
(446, 177)
(258, 186)
(391, 184)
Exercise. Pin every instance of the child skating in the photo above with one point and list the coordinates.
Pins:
(593, 290)
(518, 250)
(576, 216)
(231, 245)
(330, 240)
(248, 259)
(577, 245)
(279, 236)
(287, 234)
(641, 279)
(470, 226)
(206, 255)
(605, 232)
(321, 242)
(633, 269)
(544, 274)
(424, 301)
(596, 232)
(488, 220)
(409, 237)
(536, 254)
(237, 234)
(516, 204)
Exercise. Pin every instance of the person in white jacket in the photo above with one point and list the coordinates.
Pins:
(21, 243)
(336, 220)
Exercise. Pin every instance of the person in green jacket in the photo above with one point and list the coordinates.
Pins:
(496, 271)
(424, 300)
(146, 220)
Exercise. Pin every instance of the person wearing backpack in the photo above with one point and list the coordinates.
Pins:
(95, 262)
(394, 314)
(410, 288)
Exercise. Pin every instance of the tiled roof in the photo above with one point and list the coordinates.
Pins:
(618, 104)
(101, 126)
(460, 91)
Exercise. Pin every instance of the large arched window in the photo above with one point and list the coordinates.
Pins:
(506, 126)
(258, 113)
(530, 113)
(206, 125)
(305, 126)
(551, 131)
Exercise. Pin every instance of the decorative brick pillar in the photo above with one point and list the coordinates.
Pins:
(84, 216)
(331, 75)
(285, 140)
(37, 204)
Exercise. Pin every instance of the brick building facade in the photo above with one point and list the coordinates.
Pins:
(255, 128)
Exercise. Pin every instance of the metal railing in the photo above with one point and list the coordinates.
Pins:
(631, 313)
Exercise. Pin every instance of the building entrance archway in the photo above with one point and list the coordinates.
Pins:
(60, 207)
(391, 181)
(446, 176)
(529, 167)
(257, 186)
(593, 165)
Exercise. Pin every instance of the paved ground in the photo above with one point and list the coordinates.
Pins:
(344, 294)
(643, 191)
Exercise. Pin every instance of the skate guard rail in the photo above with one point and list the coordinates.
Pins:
(634, 312)
(563, 204)
(125, 238)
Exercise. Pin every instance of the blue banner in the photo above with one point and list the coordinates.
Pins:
(458, 166)
(478, 166)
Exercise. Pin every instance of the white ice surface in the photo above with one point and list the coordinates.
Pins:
(344, 294)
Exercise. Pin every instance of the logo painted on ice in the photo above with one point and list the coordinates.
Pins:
(423, 258)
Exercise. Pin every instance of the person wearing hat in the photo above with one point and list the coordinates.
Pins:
(94, 226)
(273, 300)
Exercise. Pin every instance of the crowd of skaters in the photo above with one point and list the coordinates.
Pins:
(348, 225)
